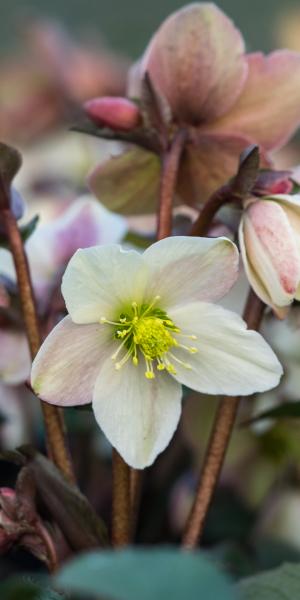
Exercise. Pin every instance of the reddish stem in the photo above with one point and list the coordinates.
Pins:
(121, 507)
(170, 166)
(218, 443)
(53, 419)
(210, 208)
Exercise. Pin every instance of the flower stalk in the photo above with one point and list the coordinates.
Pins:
(53, 419)
(218, 443)
(170, 166)
(121, 505)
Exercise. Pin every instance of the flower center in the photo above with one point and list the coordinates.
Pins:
(147, 331)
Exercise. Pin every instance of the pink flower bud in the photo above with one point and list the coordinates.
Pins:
(269, 240)
(114, 112)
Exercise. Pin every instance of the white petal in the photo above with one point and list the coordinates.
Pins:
(100, 280)
(138, 416)
(253, 279)
(67, 365)
(186, 269)
(230, 360)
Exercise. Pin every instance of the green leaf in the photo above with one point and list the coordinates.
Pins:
(145, 574)
(278, 584)
(287, 410)
(25, 588)
(27, 229)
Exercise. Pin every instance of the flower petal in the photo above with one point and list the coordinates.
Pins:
(186, 269)
(196, 59)
(98, 280)
(230, 360)
(15, 358)
(273, 80)
(128, 183)
(271, 249)
(208, 162)
(65, 369)
(138, 416)
(86, 223)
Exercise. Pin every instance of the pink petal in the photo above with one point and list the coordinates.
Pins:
(128, 183)
(67, 365)
(208, 162)
(272, 250)
(268, 110)
(196, 59)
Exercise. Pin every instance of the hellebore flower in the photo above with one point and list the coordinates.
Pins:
(49, 249)
(139, 326)
(224, 98)
(269, 236)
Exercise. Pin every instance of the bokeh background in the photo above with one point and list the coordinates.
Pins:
(127, 25)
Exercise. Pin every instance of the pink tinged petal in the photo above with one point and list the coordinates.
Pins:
(208, 162)
(85, 224)
(15, 358)
(115, 112)
(272, 250)
(196, 59)
(230, 360)
(185, 269)
(128, 183)
(68, 363)
(101, 280)
(268, 110)
(137, 415)
(291, 207)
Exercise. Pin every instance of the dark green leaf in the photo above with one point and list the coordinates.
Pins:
(145, 574)
(247, 172)
(79, 523)
(278, 584)
(287, 410)
(25, 588)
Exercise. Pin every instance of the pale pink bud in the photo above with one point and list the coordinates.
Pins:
(271, 251)
(114, 112)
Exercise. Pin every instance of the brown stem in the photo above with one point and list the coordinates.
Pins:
(168, 180)
(218, 443)
(121, 509)
(210, 208)
(53, 420)
(136, 480)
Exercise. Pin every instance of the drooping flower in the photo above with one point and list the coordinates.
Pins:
(224, 98)
(138, 327)
(269, 237)
(49, 249)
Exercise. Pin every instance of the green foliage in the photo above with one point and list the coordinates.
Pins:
(145, 574)
(279, 584)
(25, 588)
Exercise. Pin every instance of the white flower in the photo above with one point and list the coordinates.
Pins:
(139, 326)
(49, 249)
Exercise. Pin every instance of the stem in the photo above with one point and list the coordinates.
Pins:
(170, 166)
(218, 443)
(136, 480)
(210, 208)
(121, 518)
(53, 419)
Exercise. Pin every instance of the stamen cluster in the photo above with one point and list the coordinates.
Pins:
(147, 331)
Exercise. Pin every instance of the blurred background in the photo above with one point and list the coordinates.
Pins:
(127, 25)
(53, 56)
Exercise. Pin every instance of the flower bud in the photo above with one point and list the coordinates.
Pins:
(269, 238)
(114, 112)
